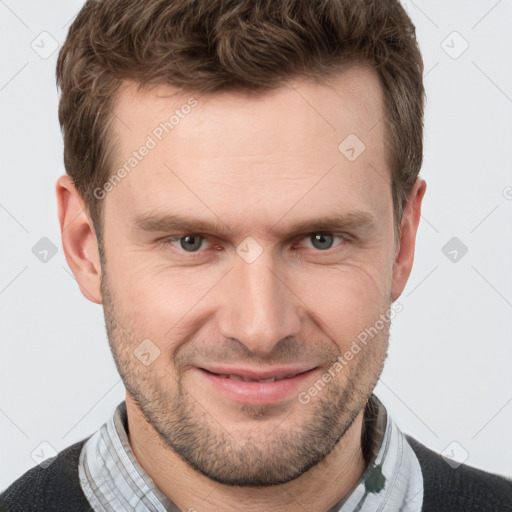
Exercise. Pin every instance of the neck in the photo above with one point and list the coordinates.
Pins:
(319, 489)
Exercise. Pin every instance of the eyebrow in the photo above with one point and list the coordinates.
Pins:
(173, 222)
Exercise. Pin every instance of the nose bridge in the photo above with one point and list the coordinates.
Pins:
(261, 310)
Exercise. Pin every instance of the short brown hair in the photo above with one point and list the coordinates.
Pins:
(245, 45)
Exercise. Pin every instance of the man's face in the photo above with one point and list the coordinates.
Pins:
(254, 296)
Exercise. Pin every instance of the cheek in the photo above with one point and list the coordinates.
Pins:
(159, 301)
(344, 301)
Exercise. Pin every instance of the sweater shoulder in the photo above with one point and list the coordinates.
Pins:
(462, 488)
(53, 487)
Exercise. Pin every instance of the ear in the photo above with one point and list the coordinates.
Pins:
(79, 239)
(404, 253)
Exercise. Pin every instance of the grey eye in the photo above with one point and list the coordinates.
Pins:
(191, 243)
(322, 241)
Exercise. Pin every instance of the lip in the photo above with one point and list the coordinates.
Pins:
(288, 382)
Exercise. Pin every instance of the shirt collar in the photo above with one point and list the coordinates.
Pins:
(392, 479)
(112, 479)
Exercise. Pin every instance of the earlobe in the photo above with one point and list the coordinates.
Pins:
(404, 255)
(78, 239)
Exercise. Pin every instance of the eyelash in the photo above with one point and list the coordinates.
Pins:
(169, 241)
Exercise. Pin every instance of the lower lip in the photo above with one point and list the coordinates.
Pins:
(257, 392)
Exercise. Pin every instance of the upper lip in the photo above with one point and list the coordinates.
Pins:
(256, 374)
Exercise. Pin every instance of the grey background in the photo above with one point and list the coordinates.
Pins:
(448, 379)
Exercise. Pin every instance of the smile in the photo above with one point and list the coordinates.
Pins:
(251, 386)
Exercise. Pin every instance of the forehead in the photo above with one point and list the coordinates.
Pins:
(304, 145)
(348, 100)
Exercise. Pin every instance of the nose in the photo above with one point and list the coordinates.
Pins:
(258, 308)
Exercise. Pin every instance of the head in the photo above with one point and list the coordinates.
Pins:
(242, 196)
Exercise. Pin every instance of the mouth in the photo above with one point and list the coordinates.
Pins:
(252, 386)
(245, 378)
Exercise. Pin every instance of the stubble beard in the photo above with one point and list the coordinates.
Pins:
(257, 456)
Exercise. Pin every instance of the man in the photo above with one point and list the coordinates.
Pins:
(242, 197)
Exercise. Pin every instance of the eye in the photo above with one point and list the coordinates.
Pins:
(192, 243)
(189, 243)
(323, 241)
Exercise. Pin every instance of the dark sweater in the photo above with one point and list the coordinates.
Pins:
(446, 489)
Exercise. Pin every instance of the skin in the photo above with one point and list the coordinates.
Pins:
(257, 165)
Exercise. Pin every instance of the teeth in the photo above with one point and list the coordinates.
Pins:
(246, 379)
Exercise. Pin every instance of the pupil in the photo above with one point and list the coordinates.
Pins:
(187, 242)
(319, 241)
